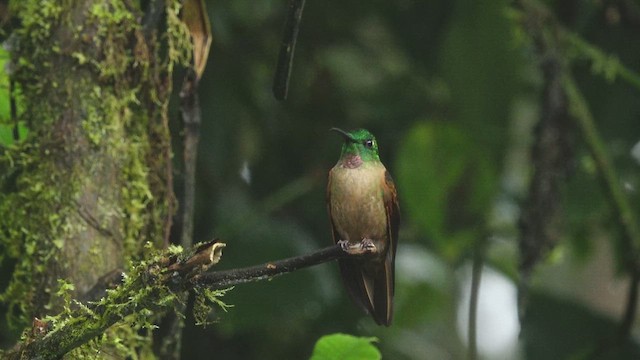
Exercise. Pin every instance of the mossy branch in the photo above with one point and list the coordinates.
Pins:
(153, 286)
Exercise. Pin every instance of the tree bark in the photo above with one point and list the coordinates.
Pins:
(92, 181)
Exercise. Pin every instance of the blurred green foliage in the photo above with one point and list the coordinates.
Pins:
(451, 90)
(447, 184)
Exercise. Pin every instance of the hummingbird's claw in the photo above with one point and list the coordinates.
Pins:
(366, 246)
(344, 244)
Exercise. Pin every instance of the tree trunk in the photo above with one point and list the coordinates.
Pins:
(91, 184)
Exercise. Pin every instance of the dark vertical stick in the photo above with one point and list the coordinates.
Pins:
(551, 152)
(171, 345)
(190, 108)
(287, 48)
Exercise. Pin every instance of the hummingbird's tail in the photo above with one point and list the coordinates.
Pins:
(371, 287)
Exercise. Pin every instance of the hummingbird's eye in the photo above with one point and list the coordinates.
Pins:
(368, 143)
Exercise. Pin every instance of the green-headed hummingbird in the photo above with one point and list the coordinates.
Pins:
(363, 209)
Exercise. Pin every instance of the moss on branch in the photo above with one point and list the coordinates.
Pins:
(150, 287)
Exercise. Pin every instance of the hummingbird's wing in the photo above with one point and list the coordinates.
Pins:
(385, 298)
(373, 286)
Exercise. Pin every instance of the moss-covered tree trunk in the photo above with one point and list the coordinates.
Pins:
(91, 183)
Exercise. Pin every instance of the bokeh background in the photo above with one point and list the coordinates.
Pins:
(452, 90)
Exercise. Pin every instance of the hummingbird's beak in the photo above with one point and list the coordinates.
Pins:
(346, 135)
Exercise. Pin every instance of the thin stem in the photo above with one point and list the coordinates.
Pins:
(171, 341)
(476, 277)
(287, 48)
(551, 151)
(190, 109)
(225, 279)
(609, 65)
(584, 119)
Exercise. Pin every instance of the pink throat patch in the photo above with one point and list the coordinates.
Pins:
(352, 161)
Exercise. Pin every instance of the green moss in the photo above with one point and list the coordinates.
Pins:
(178, 37)
(133, 304)
(205, 301)
(32, 228)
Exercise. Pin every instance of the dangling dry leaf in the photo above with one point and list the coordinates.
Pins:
(194, 15)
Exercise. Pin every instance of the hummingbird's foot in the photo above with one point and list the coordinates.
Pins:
(366, 246)
(344, 244)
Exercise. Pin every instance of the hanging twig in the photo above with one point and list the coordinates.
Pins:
(190, 108)
(551, 153)
(474, 297)
(287, 49)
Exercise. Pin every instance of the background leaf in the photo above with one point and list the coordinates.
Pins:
(345, 347)
(445, 186)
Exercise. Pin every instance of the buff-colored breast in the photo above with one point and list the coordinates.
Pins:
(357, 204)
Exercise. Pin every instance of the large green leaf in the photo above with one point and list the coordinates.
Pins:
(345, 347)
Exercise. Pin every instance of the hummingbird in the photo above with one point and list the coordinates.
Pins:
(363, 209)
